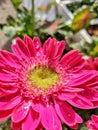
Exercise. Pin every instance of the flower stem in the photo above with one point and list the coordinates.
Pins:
(33, 18)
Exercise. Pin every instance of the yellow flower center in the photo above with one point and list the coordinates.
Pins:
(43, 77)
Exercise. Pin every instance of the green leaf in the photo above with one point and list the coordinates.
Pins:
(83, 127)
(9, 31)
(16, 3)
(11, 20)
(64, 27)
(64, 127)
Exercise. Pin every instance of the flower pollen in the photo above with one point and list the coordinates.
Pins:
(43, 77)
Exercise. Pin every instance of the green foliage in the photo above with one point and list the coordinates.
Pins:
(22, 25)
(19, 27)
(76, 5)
(64, 127)
(88, 49)
(95, 7)
(83, 127)
(11, 31)
(16, 3)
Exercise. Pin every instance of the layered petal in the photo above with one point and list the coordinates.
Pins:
(66, 113)
(72, 60)
(34, 45)
(8, 89)
(37, 44)
(66, 95)
(21, 111)
(32, 120)
(89, 93)
(16, 126)
(20, 49)
(7, 103)
(93, 123)
(7, 77)
(81, 102)
(83, 78)
(4, 114)
(89, 64)
(9, 59)
(30, 45)
(53, 49)
(50, 121)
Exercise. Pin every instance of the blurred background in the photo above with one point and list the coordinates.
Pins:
(76, 21)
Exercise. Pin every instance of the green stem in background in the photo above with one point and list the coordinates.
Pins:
(33, 18)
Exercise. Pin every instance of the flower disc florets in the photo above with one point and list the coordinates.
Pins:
(37, 85)
(43, 77)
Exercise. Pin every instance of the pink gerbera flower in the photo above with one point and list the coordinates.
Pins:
(38, 87)
(93, 123)
(92, 64)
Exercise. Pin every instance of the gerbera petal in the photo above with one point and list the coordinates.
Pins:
(32, 120)
(81, 103)
(3, 94)
(65, 112)
(9, 59)
(72, 59)
(82, 78)
(16, 126)
(95, 104)
(96, 63)
(74, 127)
(95, 118)
(91, 126)
(49, 46)
(53, 49)
(89, 93)
(60, 46)
(37, 44)
(30, 45)
(6, 104)
(49, 119)
(66, 95)
(78, 118)
(21, 111)
(20, 49)
(89, 64)
(8, 89)
(5, 114)
(5, 77)
(40, 127)
(70, 89)
(93, 123)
